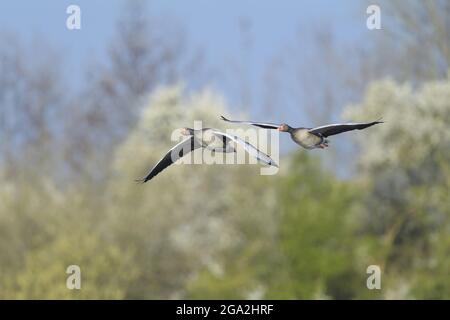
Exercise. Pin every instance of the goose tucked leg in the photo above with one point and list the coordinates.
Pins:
(324, 144)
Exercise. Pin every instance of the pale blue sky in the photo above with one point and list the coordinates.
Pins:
(211, 26)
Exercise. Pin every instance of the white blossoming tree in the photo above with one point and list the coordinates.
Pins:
(405, 164)
(189, 217)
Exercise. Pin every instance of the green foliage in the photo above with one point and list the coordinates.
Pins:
(106, 271)
(187, 218)
(316, 233)
(226, 231)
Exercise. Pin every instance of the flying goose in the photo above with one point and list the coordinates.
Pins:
(310, 138)
(220, 142)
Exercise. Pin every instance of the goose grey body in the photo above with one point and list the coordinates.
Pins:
(208, 138)
(309, 138)
(304, 138)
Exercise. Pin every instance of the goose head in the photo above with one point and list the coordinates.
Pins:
(187, 131)
(284, 128)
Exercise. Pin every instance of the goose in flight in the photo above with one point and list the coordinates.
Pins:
(310, 138)
(207, 138)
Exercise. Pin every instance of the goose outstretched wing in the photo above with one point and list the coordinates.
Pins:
(252, 150)
(177, 152)
(332, 129)
(265, 125)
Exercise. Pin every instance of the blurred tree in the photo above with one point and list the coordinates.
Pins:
(189, 217)
(105, 270)
(31, 98)
(317, 236)
(146, 52)
(318, 76)
(422, 30)
(306, 248)
(405, 166)
(113, 91)
(225, 231)
(243, 270)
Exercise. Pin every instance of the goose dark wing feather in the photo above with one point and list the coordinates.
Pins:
(333, 129)
(177, 152)
(265, 125)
